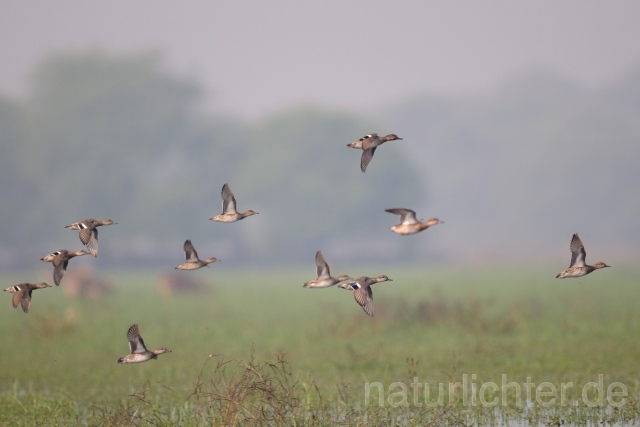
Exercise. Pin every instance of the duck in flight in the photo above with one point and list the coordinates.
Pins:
(192, 262)
(324, 279)
(362, 292)
(368, 144)
(60, 260)
(22, 294)
(579, 267)
(89, 233)
(229, 212)
(409, 224)
(139, 352)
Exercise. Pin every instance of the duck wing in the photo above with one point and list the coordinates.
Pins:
(26, 299)
(407, 216)
(92, 245)
(136, 343)
(19, 294)
(58, 270)
(84, 233)
(322, 268)
(364, 297)
(190, 253)
(228, 200)
(366, 157)
(578, 254)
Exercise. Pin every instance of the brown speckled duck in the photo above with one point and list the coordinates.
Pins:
(22, 293)
(579, 267)
(324, 279)
(139, 352)
(89, 233)
(60, 260)
(369, 143)
(409, 224)
(192, 261)
(229, 212)
(362, 292)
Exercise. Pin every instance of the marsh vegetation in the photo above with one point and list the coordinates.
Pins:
(253, 351)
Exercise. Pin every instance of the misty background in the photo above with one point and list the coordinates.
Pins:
(520, 126)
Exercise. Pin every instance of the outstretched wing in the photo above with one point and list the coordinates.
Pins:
(322, 268)
(407, 216)
(364, 297)
(228, 200)
(85, 234)
(19, 294)
(26, 299)
(58, 271)
(578, 254)
(190, 253)
(92, 244)
(367, 155)
(136, 343)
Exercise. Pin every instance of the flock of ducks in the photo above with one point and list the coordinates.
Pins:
(60, 259)
(409, 224)
(361, 286)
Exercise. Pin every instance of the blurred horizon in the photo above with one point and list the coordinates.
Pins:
(515, 137)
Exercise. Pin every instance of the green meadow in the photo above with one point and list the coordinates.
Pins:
(447, 346)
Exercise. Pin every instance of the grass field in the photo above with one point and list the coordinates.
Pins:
(284, 355)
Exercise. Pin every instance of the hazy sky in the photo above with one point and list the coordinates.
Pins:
(257, 57)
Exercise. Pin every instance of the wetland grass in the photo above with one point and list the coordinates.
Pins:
(306, 357)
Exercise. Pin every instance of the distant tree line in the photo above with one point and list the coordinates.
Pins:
(116, 136)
